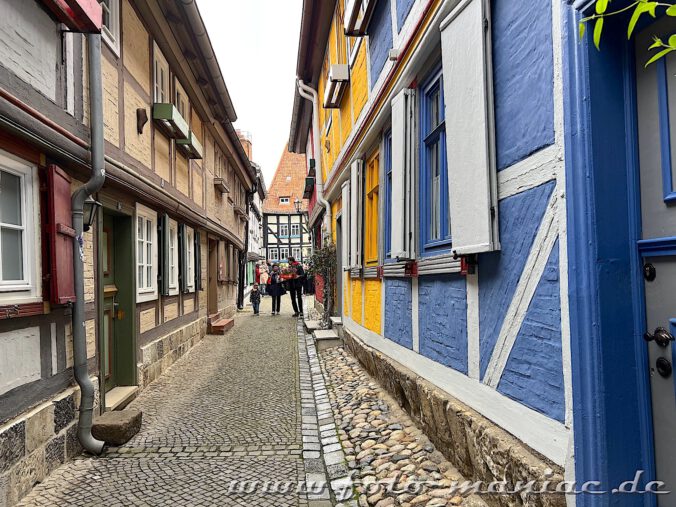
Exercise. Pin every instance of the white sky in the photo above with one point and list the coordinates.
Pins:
(256, 42)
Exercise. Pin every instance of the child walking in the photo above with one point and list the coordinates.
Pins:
(255, 299)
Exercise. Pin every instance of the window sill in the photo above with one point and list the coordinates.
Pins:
(438, 265)
(142, 297)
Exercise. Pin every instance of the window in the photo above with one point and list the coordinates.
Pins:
(17, 218)
(283, 230)
(295, 230)
(146, 253)
(352, 43)
(296, 253)
(173, 257)
(181, 101)
(284, 200)
(161, 76)
(284, 253)
(189, 259)
(273, 254)
(111, 23)
(387, 159)
(434, 208)
(371, 216)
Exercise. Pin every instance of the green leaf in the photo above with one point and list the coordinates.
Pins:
(672, 40)
(671, 11)
(640, 9)
(601, 6)
(659, 55)
(583, 27)
(657, 44)
(598, 27)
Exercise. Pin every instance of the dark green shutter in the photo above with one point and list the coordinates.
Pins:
(182, 259)
(198, 261)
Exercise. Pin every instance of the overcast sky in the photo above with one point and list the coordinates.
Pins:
(256, 42)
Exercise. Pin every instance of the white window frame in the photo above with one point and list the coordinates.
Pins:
(297, 227)
(297, 253)
(28, 289)
(283, 249)
(189, 245)
(161, 95)
(173, 257)
(180, 97)
(274, 257)
(284, 200)
(282, 228)
(111, 34)
(146, 292)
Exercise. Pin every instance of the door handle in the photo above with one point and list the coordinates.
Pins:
(660, 336)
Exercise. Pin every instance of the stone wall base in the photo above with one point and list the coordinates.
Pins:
(35, 443)
(478, 448)
(158, 355)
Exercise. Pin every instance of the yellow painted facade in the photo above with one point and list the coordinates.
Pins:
(356, 300)
(336, 206)
(347, 290)
(136, 44)
(372, 300)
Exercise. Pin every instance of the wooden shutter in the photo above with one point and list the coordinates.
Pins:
(198, 261)
(61, 237)
(163, 237)
(345, 225)
(182, 260)
(470, 139)
(356, 203)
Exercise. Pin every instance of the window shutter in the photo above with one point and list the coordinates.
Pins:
(61, 237)
(403, 146)
(163, 236)
(346, 225)
(198, 261)
(182, 261)
(356, 201)
(468, 95)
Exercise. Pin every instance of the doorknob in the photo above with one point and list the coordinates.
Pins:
(661, 336)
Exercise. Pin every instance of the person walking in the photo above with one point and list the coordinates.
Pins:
(276, 289)
(255, 298)
(296, 287)
(264, 276)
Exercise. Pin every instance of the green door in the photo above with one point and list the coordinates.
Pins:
(109, 302)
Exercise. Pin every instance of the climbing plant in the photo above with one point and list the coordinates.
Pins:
(323, 263)
(637, 9)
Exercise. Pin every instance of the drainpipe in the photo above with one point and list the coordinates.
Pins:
(310, 94)
(84, 425)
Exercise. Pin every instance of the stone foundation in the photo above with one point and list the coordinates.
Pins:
(479, 449)
(159, 355)
(35, 443)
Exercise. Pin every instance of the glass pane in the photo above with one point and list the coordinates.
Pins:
(139, 275)
(12, 255)
(434, 109)
(435, 192)
(149, 276)
(10, 198)
(106, 266)
(139, 228)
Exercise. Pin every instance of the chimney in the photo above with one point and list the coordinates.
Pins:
(245, 140)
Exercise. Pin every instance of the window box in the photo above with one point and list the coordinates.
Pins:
(339, 77)
(357, 16)
(170, 121)
(220, 185)
(191, 146)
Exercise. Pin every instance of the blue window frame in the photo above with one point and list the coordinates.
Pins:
(387, 159)
(435, 226)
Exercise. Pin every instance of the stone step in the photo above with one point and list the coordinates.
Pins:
(221, 326)
(326, 338)
(118, 427)
(313, 325)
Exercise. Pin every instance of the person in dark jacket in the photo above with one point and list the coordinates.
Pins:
(296, 287)
(275, 289)
(255, 298)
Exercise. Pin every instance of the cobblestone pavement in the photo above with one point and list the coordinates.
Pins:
(247, 406)
(392, 461)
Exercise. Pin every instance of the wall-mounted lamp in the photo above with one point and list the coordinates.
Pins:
(89, 209)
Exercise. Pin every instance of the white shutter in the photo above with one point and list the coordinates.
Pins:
(355, 213)
(402, 173)
(468, 95)
(346, 225)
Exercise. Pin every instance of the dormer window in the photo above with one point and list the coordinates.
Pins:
(284, 200)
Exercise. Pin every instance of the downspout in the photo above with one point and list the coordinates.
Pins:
(84, 425)
(310, 94)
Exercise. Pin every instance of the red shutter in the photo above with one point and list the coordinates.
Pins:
(61, 234)
(78, 15)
